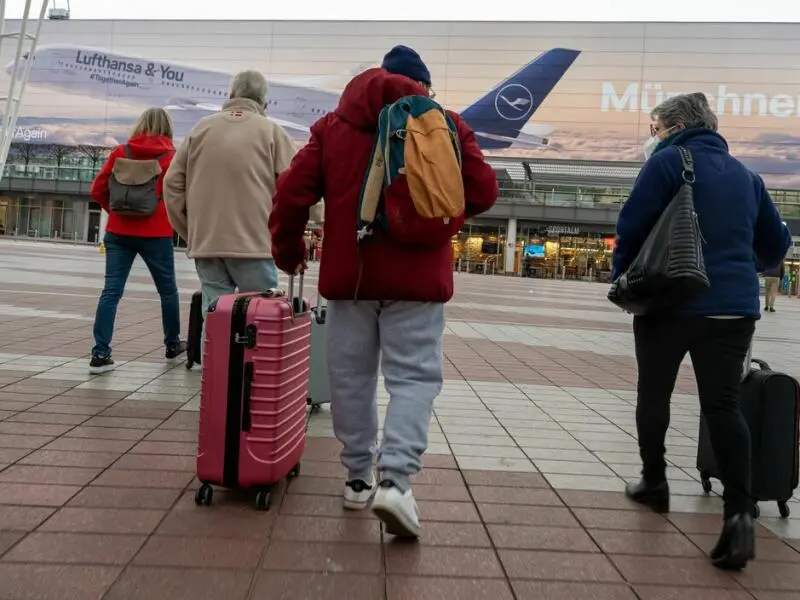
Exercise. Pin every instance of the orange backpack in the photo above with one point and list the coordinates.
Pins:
(414, 190)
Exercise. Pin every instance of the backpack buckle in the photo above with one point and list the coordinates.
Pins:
(363, 232)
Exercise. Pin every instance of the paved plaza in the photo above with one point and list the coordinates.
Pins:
(532, 442)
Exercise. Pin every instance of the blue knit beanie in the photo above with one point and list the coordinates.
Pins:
(402, 60)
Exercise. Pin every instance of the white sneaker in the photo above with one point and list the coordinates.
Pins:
(398, 511)
(358, 493)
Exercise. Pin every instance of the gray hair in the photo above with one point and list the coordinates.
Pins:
(691, 110)
(250, 84)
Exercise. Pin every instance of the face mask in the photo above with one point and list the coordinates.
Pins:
(650, 146)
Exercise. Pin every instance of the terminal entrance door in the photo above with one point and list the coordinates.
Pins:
(93, 231)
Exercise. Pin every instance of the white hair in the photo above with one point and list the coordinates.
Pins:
(250, 84)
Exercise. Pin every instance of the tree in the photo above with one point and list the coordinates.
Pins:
(95, 153)
(24, 152)
(58, 152)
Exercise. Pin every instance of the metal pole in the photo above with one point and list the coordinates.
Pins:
(14, 96)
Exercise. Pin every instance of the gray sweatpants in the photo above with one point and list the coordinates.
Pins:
(406, 337)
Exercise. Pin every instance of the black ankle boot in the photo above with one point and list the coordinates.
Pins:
(737, 543)
(653, 495)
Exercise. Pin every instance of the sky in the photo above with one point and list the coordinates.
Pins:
(782, 11)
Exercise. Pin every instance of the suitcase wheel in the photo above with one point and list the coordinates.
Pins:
(705, 481)
(263, 499)
(783, 508)
(203, 495)
(295, 472)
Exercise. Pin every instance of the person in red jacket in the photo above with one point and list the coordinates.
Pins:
(150, 237)
(401, 290)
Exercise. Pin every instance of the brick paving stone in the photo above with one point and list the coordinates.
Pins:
(415, 588)
(103, 520)
(66, 548)
(412, 559)
(563, 566)
(200, 552)
(8, 539)
(650, 592)
(324, 558)
(180, 584)
(546, 590)
(20, 473)
(97, 474)
(696, 572)
(520, 537)
(138, 478)
(272, 585)
(645, 543)
(55, 582)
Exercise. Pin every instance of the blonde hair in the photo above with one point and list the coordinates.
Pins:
(153, 121)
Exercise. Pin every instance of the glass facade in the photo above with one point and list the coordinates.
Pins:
(563, 251)
(36, 217)
(477, 248)
(50, 161)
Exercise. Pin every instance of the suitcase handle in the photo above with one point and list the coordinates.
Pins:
(762, 364)
(299, 306)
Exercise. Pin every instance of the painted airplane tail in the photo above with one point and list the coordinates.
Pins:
(499, 118)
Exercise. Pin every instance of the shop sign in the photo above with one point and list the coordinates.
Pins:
(553, 230)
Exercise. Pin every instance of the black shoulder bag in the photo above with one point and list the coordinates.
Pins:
(669, 269)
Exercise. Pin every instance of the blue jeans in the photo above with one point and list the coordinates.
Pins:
(159, 256)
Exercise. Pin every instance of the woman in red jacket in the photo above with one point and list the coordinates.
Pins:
(147, 236)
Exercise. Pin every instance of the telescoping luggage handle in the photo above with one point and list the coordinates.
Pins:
(299, 306)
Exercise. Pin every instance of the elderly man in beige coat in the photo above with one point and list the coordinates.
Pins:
(218, 191)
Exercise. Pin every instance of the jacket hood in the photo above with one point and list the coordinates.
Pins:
(149, 146)
(366, 95)
(698, 135)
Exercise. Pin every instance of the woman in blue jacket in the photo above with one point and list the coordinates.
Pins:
(741, 229)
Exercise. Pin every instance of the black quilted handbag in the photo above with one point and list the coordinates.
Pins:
(669, 269)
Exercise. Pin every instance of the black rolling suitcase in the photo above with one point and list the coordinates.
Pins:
(771, 406)
(195, 336)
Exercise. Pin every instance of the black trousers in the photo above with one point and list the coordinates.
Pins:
(718, 349)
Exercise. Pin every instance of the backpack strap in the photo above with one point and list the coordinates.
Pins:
(163, 154)
(687, 164)
(127, 149)
(374, 182)
(373, 186)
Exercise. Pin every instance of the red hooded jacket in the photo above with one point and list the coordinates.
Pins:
(333, 165)
(156, 225)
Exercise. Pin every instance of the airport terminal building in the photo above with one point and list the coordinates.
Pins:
(553, 219)
(562, 110)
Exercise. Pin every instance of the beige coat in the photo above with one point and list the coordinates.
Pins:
(219, 188)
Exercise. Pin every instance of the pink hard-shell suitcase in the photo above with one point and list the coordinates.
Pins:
(254, 391)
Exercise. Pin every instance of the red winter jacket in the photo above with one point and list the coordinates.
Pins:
(156, 225)
(333, 165)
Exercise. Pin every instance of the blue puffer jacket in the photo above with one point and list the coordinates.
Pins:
(741, 227)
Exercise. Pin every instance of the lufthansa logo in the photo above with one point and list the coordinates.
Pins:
(514, 102)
